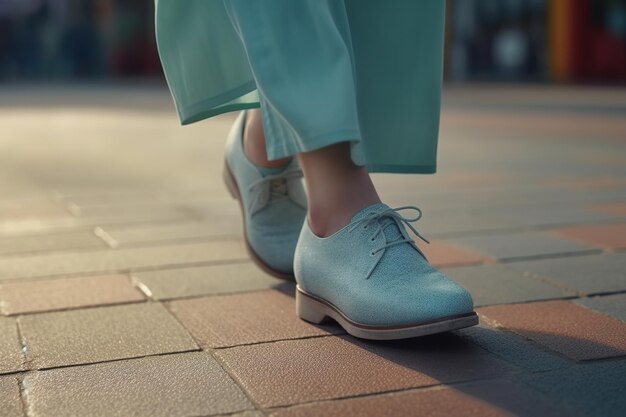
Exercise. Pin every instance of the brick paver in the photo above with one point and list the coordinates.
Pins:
(101, 334)
(153, 214)
(577, 332)
(10, 401)
(520, 245)
(513, 348)
(589, 274)
(618, 209)
(499, 284)
(437, 225)
(611, 305)
(291, 372)
(589, 389)
(539, 216)
(66, 293)
(11, 358)
(607, 236)
(113, 213)
(120, 259)
(496, 398)
(231, 320)
(188, 384)
(204, 280)
(591, 183)
(215, 227)
(49, 243)
(442, 254)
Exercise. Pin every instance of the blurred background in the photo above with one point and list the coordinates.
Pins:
(567, 41)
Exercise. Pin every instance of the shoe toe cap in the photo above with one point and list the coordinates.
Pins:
(431, 298)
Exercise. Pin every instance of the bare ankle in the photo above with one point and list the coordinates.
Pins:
(254, 142)
(337, 189)
(326, 220)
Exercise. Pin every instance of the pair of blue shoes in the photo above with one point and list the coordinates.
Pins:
(370, 276)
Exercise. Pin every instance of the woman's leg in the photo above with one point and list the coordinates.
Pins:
(337, 188)
(370, 276)
(254, 143)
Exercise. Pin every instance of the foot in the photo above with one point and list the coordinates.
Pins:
(371, 277)
(273, 205)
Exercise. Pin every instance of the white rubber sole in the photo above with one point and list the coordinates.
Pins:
(315, 310)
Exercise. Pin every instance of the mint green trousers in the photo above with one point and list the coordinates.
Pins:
(366, 72)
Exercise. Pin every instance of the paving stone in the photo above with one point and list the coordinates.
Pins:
(585, 183)
(153, 214)
(574, 331)
(205, 280)
(31, 226)
(617, 209)
(188, 384)
(240, 319)
(119, 260)
(101, 334)
(66, 293)
(588, 389)
(110, 197)
(166, 232)
(473, 178)
(488, 398)
(49, 243)
(36, 204)
(442, 254)
(10, 401)
(520, 244)
(156, 211)
(114, 197)
(296, 371)
(499, 284)
(612, 305)
(460, 222)
(535, 216)
(35, 213)
(608, 236)
(589, 274)
(10, 346)
(513, 348)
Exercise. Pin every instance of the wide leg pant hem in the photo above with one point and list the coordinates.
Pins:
(283, 150)
(402, 169)
(231, 100)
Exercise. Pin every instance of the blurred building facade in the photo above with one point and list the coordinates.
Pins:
(486, 40)
(75, 39)
(536, 40)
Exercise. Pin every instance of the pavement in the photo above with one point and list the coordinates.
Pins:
(125, 288)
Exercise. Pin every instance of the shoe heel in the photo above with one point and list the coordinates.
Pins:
(229, 181)
(309, 309)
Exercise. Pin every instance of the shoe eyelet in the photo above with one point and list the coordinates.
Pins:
(372, 253)
(372, 239)
(364, 227)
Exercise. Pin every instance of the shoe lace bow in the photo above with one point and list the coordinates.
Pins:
(374, 219)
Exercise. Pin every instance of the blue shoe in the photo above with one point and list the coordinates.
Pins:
(374, 281)
(273, 205)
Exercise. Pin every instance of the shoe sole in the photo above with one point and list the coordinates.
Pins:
(314, 310)
(233, 189)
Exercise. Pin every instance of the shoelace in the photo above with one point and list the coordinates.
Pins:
(277, 182)
(375, 219)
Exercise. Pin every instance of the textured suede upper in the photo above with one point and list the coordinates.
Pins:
(392, 286)
(274, 205)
